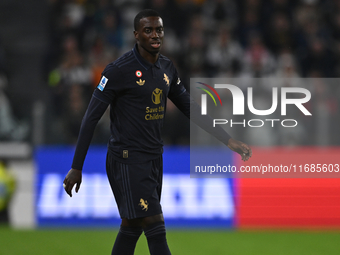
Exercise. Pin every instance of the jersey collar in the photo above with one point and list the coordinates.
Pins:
(142, 61)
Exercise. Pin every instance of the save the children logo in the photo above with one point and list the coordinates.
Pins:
(157, 96)
(239, 105)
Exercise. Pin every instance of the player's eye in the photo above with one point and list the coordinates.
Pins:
(147, 30)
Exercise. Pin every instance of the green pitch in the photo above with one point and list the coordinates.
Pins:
(196, 242)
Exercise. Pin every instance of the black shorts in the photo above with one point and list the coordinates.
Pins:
(136, 187)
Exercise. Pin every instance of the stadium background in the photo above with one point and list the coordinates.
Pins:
(51, 56)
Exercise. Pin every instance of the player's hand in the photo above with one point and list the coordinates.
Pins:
(73, 177)
(241, 148)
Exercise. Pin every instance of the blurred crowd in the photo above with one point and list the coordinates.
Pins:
(216, 38)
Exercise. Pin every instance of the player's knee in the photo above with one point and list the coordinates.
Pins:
(132, 222)
(155, 231)
(151, 220)
(154, 227)
(143, 222)
(156, 237)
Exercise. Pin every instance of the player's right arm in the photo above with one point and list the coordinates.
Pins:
(94, 112)
(103, 95)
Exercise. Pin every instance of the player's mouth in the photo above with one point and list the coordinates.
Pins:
(156, 45)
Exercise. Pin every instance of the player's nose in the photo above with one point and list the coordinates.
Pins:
(154, 34)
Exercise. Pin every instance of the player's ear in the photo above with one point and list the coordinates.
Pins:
(136, 35)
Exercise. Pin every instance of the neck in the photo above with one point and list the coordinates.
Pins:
(150, 57)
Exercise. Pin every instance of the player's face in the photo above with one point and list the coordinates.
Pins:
(150, 34)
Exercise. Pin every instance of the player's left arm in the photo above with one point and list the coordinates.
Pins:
(192, 110)
(241, 148)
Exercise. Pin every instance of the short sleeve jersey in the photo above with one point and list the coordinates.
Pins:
(137, 92)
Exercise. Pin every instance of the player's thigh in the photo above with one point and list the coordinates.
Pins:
(143, 222)
(136, 187)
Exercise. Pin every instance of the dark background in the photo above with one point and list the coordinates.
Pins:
(52, 54)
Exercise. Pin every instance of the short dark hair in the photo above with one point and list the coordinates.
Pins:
(144, 14)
